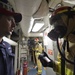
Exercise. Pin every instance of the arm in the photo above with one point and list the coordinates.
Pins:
(47, 62)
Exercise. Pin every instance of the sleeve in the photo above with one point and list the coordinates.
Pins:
(57, 67)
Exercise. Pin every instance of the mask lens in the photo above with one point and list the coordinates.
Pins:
(57, 32)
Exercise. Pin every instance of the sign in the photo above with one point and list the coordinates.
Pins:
(50, 51)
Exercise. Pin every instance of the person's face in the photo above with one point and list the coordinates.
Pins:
(36, 42)
(7, 24)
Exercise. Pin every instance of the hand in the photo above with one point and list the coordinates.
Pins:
(45, 60)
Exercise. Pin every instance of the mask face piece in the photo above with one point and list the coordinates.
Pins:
(59, 30)
(62, 20)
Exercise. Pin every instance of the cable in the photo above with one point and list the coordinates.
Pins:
(63, 55)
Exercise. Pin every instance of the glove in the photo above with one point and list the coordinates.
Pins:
(45, 60)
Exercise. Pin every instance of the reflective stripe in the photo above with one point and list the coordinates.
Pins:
(37, 53)
(39, 71)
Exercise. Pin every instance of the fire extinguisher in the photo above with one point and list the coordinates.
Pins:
(18, 72)
(25, 68)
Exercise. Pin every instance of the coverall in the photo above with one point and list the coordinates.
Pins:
(38, 51)
(6, 59)
(57, 67)
(68, 66)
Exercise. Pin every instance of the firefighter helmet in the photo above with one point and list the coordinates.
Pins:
(60, 11)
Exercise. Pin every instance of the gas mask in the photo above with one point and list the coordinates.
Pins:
(60, 21)
(59, 30)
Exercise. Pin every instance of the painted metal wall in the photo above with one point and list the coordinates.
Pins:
(48, 48)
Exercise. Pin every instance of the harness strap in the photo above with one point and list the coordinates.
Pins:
(62, 60)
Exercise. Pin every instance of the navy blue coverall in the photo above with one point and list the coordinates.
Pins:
(6, 59)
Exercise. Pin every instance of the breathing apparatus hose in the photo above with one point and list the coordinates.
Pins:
(63, 55)
(62, 60)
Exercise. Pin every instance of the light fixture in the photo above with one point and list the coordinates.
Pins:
(37, 27)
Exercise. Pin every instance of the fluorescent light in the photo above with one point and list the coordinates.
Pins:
(37, 27)
(31, 24)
